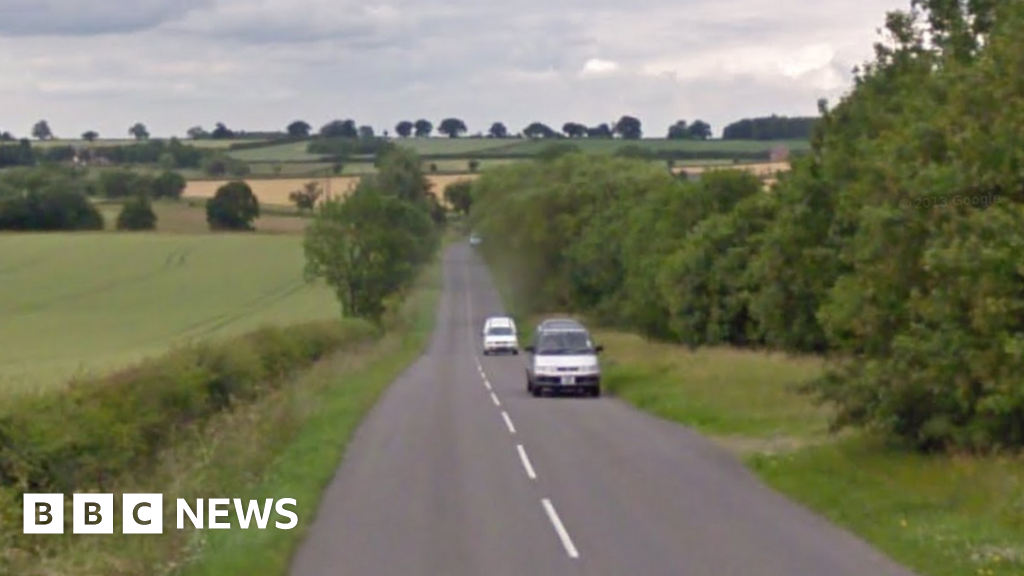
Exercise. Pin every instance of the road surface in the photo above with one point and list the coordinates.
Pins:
(458, 471)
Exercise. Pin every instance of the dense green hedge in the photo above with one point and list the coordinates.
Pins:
(86, 436)
(895, 246)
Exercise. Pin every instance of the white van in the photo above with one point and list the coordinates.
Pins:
(563, 358)
(499, 335)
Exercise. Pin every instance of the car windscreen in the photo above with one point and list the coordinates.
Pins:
(500, 331)
(567, 342)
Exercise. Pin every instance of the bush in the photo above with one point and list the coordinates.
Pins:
(170, 185)
(137, 214)
(85, 437)
(49, 210)
(124, 184)
(233, 207)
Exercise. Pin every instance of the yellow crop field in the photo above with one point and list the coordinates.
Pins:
(275, 191)
(759, 168)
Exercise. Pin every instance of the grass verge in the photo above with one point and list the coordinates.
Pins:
(939, 515)
(283, 444)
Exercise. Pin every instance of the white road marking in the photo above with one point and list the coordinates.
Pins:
(526, 462)
(487, 383)
(563, 535)
(495, 398)
(508, 422)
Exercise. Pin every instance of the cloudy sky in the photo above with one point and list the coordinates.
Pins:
(259, 64)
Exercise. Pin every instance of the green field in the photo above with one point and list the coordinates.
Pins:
(91, 302)
(452, 155)
(513, 147)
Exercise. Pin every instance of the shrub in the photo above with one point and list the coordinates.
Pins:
(97, 430)
(49, 210)
(137, 214)
(233, 207)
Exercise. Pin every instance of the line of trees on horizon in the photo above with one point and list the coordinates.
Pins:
(627, 127)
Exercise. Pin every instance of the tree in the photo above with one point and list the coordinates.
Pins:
(539, 130)
(41, 131)
(299, 129)
(46, 198)
(574, 130)
(233, 207)
(600, 131)
(137, 214)
(699, 130)
(307, 197)
(498, 130)
(628, 128)
(339, 129)
(124, 183)
(400, 172)
(170, 185)
(679, 131)
(367, 247)
(404, 128)
(770, 128)
(221, 132)
(366, 132)
(90, 136)
(452, 127)
(423, 128)
(139, 131)
(459, 196)
(196, 133)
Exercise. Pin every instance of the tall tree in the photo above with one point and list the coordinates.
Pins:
(299, 129)
(574, 130)
(404, 128)
(452, 127)
(498, 130)
(139, 131)
(423, 128)
(41, 130)
(629, 128)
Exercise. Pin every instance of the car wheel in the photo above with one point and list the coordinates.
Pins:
(595, 392)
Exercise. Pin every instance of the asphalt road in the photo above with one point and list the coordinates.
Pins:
(458, 471)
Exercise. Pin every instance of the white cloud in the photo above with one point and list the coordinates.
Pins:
(597, 67)
(259, 64)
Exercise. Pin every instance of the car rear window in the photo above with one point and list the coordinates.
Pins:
(500, 331)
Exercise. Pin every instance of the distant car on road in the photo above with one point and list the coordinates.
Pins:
(499, 335)
(563, 358)
(474, 239)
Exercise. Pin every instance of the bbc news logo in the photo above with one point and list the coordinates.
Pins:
(144, 513)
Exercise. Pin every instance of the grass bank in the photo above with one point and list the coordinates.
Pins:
(939, 515)
(284, 441)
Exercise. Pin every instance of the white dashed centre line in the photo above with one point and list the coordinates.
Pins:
(563, 535)
(526, 462)
(494, 397)
(508, 422)
(487, 383)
